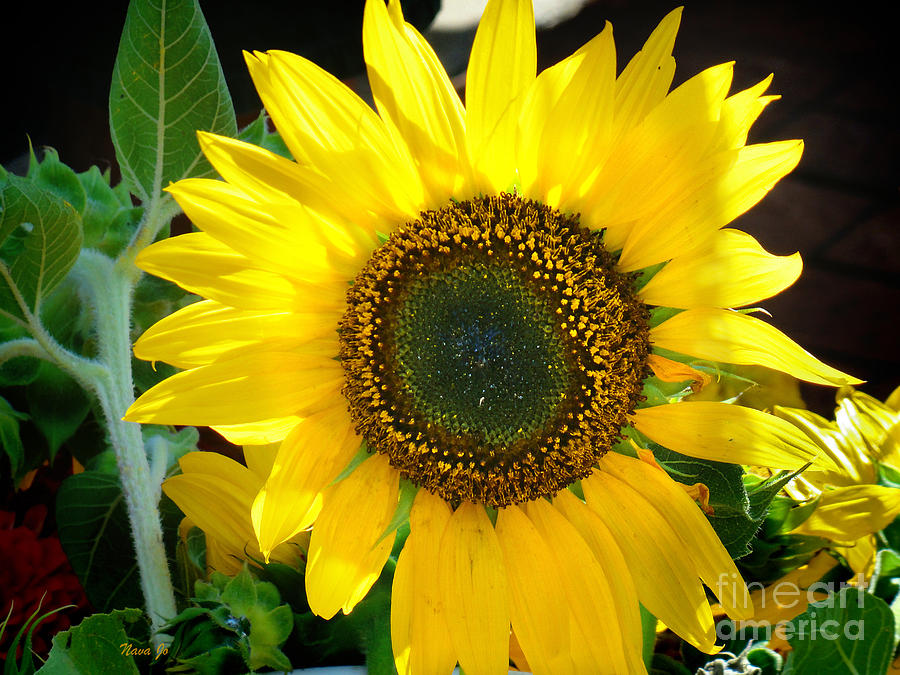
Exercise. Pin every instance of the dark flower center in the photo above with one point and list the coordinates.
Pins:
(492, 351)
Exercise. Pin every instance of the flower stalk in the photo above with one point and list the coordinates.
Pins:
(107, 286)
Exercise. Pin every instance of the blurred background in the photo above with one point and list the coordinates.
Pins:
(836, 69)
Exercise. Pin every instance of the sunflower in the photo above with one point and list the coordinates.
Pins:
(850, 504)
(466, 310)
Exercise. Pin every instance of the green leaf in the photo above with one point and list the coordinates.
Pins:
(167, 83)
(58, 405)
(96, 646)
(885, 583)
(10, 440)
(849, 632)
(95, 534)
(40, 236)
(96, 537)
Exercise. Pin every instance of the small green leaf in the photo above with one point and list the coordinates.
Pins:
(108, 222)
(167, 84)
(40, 236)
(99, 644)
(58, 405)
(848, 632)
(52, 175)
(10, 440)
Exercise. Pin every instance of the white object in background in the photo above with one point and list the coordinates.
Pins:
(459, 15)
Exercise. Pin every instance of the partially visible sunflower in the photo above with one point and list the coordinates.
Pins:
(216, 494)
(850, 506)
(477, 298)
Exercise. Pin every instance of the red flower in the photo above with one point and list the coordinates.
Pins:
(34, 567)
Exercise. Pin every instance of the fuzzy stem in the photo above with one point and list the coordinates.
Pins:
(99, 275)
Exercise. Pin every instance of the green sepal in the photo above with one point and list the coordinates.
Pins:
(739, 502)
(408, 491)
(660, 314)
(235, 616)
(257, 133)
(52, 175)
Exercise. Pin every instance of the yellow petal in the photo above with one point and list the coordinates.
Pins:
(729, 433)
(418, 627)
(328, 127)
(501, 67)
(263, 175)
(668, 370)
(200, 264)
(346, 551)
(646, 79)
(846, 514)
(566, 123)
(537, 607)
(697, 537)
(312, 456)
(732, 337)
(204, 331)
(607, 647)
(270, 233)
(415, 98)
(860, 555)
(701, 207)
(260, 458)
(248, 387)
(853, 466)
(733, 271)
(666, 579)
(868, 424)
(474, 589)
(270, 430)
(740, 111)
(615, 569)
(215, 492)
(660, 163)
